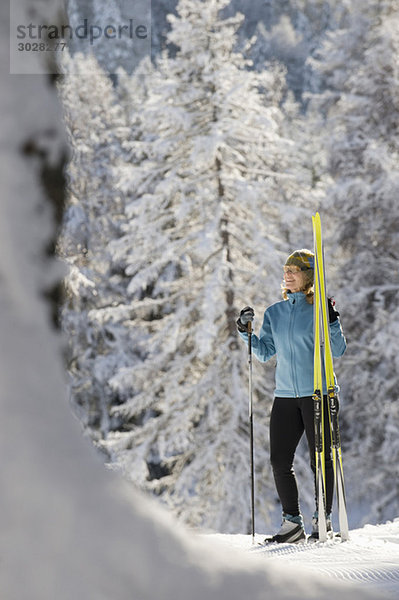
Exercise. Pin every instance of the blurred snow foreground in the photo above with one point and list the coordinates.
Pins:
(68, 528)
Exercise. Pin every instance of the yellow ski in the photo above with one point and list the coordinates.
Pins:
(324, 356)
(318, 401)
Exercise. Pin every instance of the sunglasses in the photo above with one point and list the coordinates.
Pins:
(292, 269)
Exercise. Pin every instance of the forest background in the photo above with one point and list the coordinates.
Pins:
(191, 177)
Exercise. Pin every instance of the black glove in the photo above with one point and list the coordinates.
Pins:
(333, 314)
(246, 315)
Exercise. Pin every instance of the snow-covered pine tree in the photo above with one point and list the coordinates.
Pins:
(359, 64)
(220, 199)
(97, 131)
(290, 32)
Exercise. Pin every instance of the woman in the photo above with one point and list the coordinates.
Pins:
(287, 332)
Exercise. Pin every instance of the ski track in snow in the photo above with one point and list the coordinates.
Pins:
(371, 556)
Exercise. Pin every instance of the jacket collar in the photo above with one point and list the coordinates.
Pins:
(294, 297)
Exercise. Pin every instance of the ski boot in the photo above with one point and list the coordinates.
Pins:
(314, 536)
(292, 531)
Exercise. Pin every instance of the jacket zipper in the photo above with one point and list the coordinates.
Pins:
(293, 370)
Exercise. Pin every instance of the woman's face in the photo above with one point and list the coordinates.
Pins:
(294, 278)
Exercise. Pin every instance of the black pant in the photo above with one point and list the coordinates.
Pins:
(289, 418)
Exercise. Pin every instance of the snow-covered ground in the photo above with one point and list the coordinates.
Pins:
(370, 557)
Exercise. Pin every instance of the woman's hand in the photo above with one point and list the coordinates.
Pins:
(247, 315)
(333, 314)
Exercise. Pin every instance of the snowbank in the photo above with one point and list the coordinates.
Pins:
(370, 557)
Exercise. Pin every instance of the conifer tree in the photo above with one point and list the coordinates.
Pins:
(97, 129)
(362, 108)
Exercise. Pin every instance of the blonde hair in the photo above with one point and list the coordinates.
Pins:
(307, 288)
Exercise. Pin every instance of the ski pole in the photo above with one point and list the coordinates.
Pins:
(251, 429)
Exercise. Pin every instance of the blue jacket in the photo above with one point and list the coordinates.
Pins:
(287, 332)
